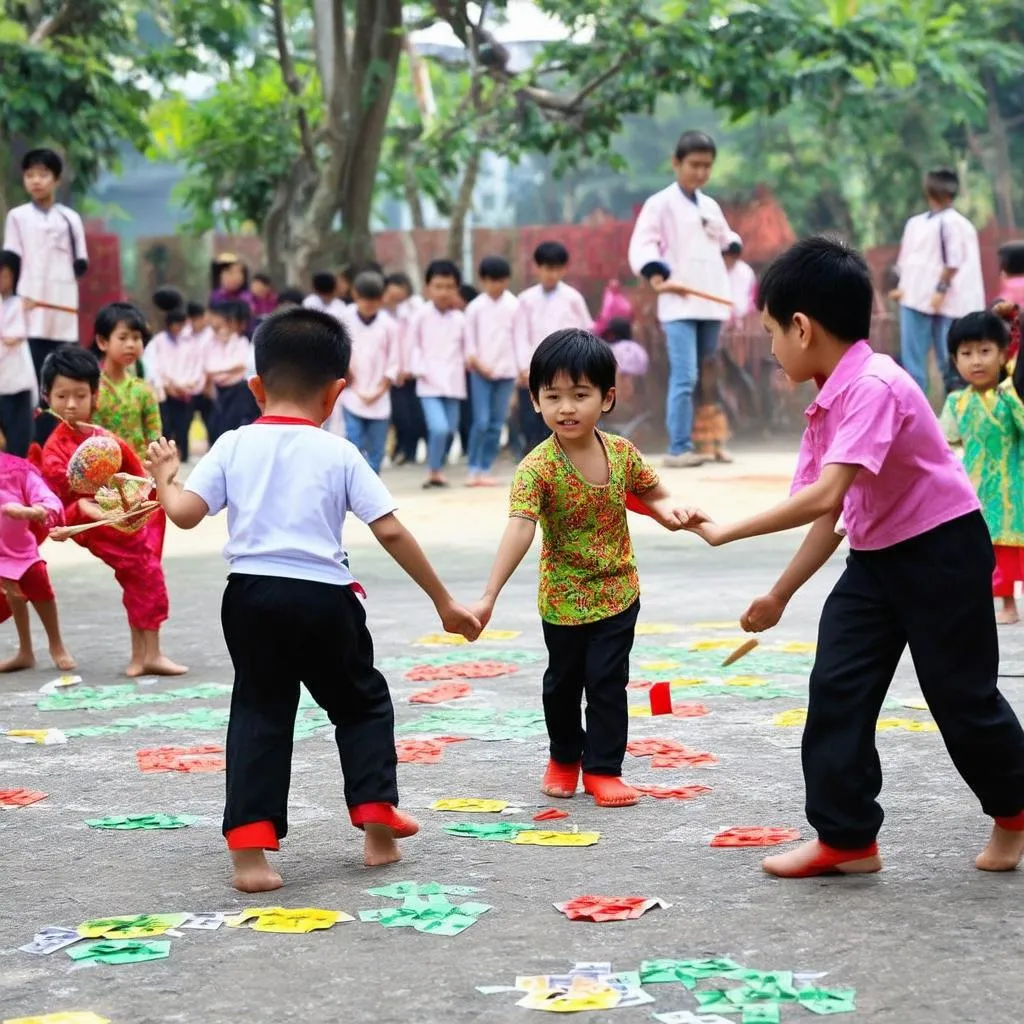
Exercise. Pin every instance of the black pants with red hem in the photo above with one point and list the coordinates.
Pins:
(592, 658)
(933, 593)
(280, 632)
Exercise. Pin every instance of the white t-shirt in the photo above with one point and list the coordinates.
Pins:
(287, 487)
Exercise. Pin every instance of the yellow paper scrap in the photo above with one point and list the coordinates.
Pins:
(469, 806)
(570, 1002)
(539, 838)
(907, 724)
(714, 625)
(659, 666)
(716, 645)
(655, 628)
(454, 640)
(46, 737)
(62, 1017)
(746, 681)
(639, 711)
(687, 682)
(287, 920)
(798, 716)
(798, 647)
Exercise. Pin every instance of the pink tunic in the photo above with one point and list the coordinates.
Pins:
(374, 360)
(541, 313)
(437, 352)
(178, 362)
(21, 484)
(489, 335)
(231, 358)
(871, 414)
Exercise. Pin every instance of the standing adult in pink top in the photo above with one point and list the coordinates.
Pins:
(550, 305)
(874, 452)
(436, 346)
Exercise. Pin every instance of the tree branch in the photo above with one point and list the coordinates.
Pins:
(291, 80)
(51, 26)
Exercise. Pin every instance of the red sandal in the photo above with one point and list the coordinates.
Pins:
(561, 780)
(826, 860)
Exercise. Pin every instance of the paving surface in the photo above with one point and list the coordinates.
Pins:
(929, 940)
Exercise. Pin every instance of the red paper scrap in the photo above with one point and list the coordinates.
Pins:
(755, 836)
(650, 746)
(20, 797)
(181, 759)
(550, 814)
(685, 710)
(460, 670)
(673, 793)
(683, 759)
(639, 684)
(607, 908)
(660, 696)
(441, 693)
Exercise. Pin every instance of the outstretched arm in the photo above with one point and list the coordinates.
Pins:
(184, 508)
(515, 542)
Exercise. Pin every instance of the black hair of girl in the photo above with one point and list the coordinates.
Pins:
(467, 293)
(43, 157)
(580, 355)
(618, 329)
(983, 325)
(167, 299)
(12, 262)
(114, 313)
(220, 264)
(1011, 258)
(193, 308)
(695, 142)
(234, 311)
(175, 316)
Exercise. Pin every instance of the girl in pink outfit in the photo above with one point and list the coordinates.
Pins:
(28, 511)
(229, 363)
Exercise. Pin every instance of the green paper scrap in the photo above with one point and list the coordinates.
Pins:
(685, 972)
(216, 719)
(824, 1001)
(457, 654)
(122, 696)
(716, 999)
(501, 831)
(399, 890)
(143, 821)
(768, 1014)
(762, 986)
(433, 914)
(133, 927)
(476, 723)
(120, 951)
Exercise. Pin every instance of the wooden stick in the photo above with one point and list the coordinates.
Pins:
(681, 289)
(48, 305)
(744, 649)
(71, 531)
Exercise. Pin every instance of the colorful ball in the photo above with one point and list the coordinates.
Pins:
(94, 462)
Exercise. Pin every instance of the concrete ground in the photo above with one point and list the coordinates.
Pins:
(929, 940)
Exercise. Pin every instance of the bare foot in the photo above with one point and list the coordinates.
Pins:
(486, 481)
(159, 666)
(814, 858)
(21, 660)
(1007, 616)
(1003, 851)
(61, 659)
(380, 847)
(253, 873)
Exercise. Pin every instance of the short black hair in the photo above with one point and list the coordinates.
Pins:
(942, 183)
(43, 157)
(467, 293)
(981, 326)
(368, 285)
(165, 299)
(400, 280)
(221, 263)
(73, 362)
(695, 142)
(234, 310)
(175, 316)
(114, 313)
(442, 268)
(551, 254)
(193, 308)
(299, 351)
(263, 277)
(618, 329)
(1011, 259)
(494, 268)
(325, 282)
(577, 353)
(12, 261)
(293, 296)
(826, 280)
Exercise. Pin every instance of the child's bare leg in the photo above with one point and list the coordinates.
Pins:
(253, 873)
(24, 657)
(380, 846)
(1008, 615)
(151, 660)
(47, 612)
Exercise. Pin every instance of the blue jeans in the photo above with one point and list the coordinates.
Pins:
(442, 416)
(490, 400)
(920, 332)
(369, 436)
(689, 343)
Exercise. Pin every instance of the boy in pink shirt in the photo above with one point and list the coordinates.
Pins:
(373, 368)
(491, 358)
(873, 452)
(436, 346)
(550, 305)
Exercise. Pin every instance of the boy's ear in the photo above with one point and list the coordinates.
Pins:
(258, 391)
(608, 402)
(100, 343)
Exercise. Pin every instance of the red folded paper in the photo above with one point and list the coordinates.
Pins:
(181, 759)
(418, 751)
(607, 908)
(460, 670)
(651, 745)
(755, 836)
(550, 814)
(683, 759)
(20, 797)
(639, 684)
(689, 710)
(673, 792)
(439, 694)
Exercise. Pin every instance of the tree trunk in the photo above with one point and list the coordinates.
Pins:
(414, 201)
(1000, 163)
(460, 210)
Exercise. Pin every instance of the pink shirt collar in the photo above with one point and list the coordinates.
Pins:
(842, 376)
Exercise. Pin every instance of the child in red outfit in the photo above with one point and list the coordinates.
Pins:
(71, 378)
(28, 509)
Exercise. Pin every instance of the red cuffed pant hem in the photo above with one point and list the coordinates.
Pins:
(257, 835)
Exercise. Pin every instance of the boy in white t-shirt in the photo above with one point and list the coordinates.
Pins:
(289, 612)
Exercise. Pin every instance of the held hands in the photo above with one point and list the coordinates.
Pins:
(695, 521)
(163, 462)
(483, 610)
(763, 613)
(26, 513)
(457, 619)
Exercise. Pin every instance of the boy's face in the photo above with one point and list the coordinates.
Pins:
(980, 363)
(175, 329)
(791, 345)
(394, 296)
(693, 171)
(367, 308)
(6, 281)
(123, 347)
(260, 289)
(494, 287)
(571, 409)
(549, 277)
(220, 326)
(198, 323)
(40, 183)
(72, 400)
(443, 292)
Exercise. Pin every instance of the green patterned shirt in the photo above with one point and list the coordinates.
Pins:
(990, 426)
(130, 410)
(587, 568)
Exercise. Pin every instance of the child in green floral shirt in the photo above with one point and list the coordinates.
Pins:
(126, 405)
(575, 484)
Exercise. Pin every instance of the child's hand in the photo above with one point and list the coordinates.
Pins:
(763, 613)
(456, 619)
(483, 610)
(699, 523)
(668, 516)
(60, 533)
(90, 510)
(163, 462)
(29, 513)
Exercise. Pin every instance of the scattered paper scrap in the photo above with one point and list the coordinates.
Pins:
(49, 940)
(724, 644)
(132, 926)
(797, 716)
(906, 724)
(587, 986)
(825, 1001)
(124, 695)
(45, 737)
(120, 952)
(143, 821)
(439, 694)
(498, 831)
(537, 838)
(60, 683)
(461, 670)
(684, 759)
(799, 647)
(62, 1017)
(205, 921)
(608, 908)
(686, 972)
(432, 913)
(469, 805)
(663, 665)
(755, 836)
(745, 681)
(287, 921)
(399, 890)
(455, 655)
(454, 640)
(689, 1017)
(476, 723)
(20, 797)
(550, 814)
(181, 759)
(673, 792)
(655, 628)
(423, 751)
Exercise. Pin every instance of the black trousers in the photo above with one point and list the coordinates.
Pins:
(177, 414)
(280, 632)
(40, 349)
(234, 407)
(531, 423)
(592, 659)
(16, 422)
(933, 592)
(407, 418)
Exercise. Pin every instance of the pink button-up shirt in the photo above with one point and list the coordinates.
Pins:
(436, 344)
(19, 545)
(231, 358)
(374, 360)
(489, 337)
(540, 313)
(871, 414)
(177, 362)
